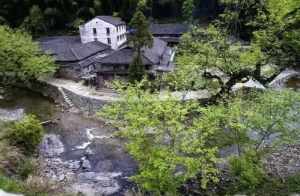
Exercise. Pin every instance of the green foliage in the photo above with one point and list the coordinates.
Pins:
(238, 17)
(136, 69)
(59, 14)
(247, 171)
(21, 58)
(188, 8)
(167, 138)
(27, 167)
(266, 114)
(11, 185)
(140, 39)
(280, 33)
(35, 22)
(26, 134)
(203, 49)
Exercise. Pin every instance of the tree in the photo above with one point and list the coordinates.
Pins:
(26, 134)
(21, 58)
(140, 39)
(279, 34)
(188, 9)
(238, 16)
(261, 121)
(35, 22)
(204, 49)
(136, 69)
(167, 138)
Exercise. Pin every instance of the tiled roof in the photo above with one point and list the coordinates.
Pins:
(70, 48)
(157, 55)
(112, 20)
(168, 29)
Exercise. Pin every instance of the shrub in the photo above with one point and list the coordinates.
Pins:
(10, 158)
(27, 168)
(247, 171)
(26, 134)
(10, 185)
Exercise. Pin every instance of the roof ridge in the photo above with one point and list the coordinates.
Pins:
(74, 53)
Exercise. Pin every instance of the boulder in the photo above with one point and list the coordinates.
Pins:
(51, 146)
(280, 81)
(94, 184)
(268, 71)
(250, 84)
(218, 73)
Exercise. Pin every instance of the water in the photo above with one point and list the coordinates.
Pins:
(78, 150)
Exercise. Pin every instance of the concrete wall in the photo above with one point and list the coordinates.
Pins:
(87, 33)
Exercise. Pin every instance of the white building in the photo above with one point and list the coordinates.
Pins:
(106, 29)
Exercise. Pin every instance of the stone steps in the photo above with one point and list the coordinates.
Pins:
(66, 98)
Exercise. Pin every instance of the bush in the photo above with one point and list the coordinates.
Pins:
(247, 171)
(10, 158)
(10, 185)
(26, 134)
(28, 167)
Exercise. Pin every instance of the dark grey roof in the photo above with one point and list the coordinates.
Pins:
(70, 48)
(122, 57)
(159, 54)
(155, 53)
(112, 20)
(168, 29)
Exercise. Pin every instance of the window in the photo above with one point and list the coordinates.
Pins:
(107, 31)
(95, 31)
(118, 38)
(108, 41)
(95, 39)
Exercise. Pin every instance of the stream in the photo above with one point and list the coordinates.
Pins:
(77, 151)
(81, 153)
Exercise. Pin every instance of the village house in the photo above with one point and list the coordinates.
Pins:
(101, 52)
(169, 32)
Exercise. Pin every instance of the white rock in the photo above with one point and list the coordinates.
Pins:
(249, 84)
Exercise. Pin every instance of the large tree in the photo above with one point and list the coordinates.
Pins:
(168, 138)
(21, 58)
(140, 39)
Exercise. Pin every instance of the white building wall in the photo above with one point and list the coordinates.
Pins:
(117, 33)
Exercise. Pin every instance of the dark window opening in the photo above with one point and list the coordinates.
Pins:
(107, 31)
(108, 41)
(95, 31)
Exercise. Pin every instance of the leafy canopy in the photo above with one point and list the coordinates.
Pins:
(167, 137)
(22, 58)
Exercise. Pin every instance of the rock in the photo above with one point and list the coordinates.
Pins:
(51, 146)
(73, 165)
(11, 115)
(85, 164)
(280, 81)
(218, 73)
(2, 193)
(250, 84)
(188, 95)
(94, 184)
(269, 70)
(284, 162)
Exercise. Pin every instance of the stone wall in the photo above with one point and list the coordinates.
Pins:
(85, 104)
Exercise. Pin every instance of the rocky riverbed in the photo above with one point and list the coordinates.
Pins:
(79, 152)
